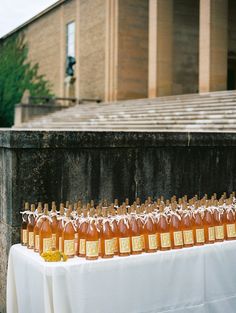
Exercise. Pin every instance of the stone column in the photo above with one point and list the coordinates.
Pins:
(160, 77)
(213, 45)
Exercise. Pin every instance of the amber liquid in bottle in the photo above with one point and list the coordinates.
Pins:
(150, 233)
(124, 232)
(38, 223)
(68, 236)
(30, 228)
(24, 233)
(135, 233)
(163, 229)
(199, 231)
(45, 233)
(60, 228)
(92, 238)
(187, 224)
(219, 221)
(140, 222)
(82, 231)
(176, 231)
(230, 221)
(115, 231)
(107, 237)
(209, 223)
(53, 215)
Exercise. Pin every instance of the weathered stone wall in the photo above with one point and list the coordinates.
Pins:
(92, 23)
(132, 49)
(185, 46)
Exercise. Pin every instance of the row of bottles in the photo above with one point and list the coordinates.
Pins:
(122, 230)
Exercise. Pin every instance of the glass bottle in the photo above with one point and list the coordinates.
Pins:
(24, 234)
(176, 230)
(124, 232)
(219, 221)
(92, 237)
(140, 222)
(30, 227)
(199, 232)
(135, 233)
(38, 223)
(163, 230)
(82, 231)
(107, 241)
(53, 215)
(187, 224)
(209, 223)
(60, 227)
(150, 232)
(115, 231)
(68, 235)
(45, 233)
(230, 221)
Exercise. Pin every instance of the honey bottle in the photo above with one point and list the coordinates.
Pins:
(68, 235)
(60, 227)
(53, 215)
(219, 220)
(135, 233)
(199, 231)
(187, 224)
(82, 231)
(92, 237)
(230, 220)
(45, 233)
(163, 230)
(107, 242)
(38, 223)
(209, 222)
(98, 223)
(124, 232)
(150, 232)
(176, 231)
(30, 227)
(115, 231)
(140, 223)
(24, 234)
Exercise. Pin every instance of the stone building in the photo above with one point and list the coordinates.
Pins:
(127, 49)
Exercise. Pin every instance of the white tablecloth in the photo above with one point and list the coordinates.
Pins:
(198, 279)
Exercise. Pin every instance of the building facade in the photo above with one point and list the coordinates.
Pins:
(127, 49)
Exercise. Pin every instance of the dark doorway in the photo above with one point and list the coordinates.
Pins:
(231, 77)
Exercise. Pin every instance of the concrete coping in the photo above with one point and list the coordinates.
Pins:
(72, 139)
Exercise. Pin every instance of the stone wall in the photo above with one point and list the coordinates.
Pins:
(55, 165)
(185, 46)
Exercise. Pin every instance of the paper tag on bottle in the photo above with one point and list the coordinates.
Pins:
(76, 242)
(82, 246)
(109, 247)
(36, 242)
(188, 237)
(152, 241)
(69, 247)
(54, 239)
(60, 244)
(92, 248)
(24, 236)
(115, 244)
(231, 230)
(47, 244)
(31, 239)
(178, 238)
(211, 233)
(124, 244)
(136, 243)
(219, 232)
(200, 235)
(165, 240)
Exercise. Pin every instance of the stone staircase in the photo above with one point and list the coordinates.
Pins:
(208, 112)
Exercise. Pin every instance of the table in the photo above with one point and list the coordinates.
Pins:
(193, 280)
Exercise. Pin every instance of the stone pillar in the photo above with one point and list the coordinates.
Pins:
(213, 45)
(160, 77)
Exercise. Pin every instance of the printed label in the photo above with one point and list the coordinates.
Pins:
(165, 240)
(37, 242)
(152, 241)
(124, 244)
(60, 244)
(99, 246)
(54, 239)
(211, 233)
(143, 241)
(82, 246)
(31, 239)
(178, 238)
(200, 236)
(115, 244)
(24, 236)
(109, 247)
(92, 248)
(47, 244)
(231, 230)
(69, 247)
(219, 232)
(188, 237)
(136, 243)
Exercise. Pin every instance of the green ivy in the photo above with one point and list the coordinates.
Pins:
(17, 74)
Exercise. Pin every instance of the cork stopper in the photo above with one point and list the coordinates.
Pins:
(67, 204)
(92, 203)
(39, 209)
(27, 206)
(54, 208)
(32, 208)
(127, 201)
(116, 202)
(45, 211)
(53, 203)
(138, 202)
(62, 209)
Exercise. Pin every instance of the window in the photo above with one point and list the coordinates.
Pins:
(70, 39)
